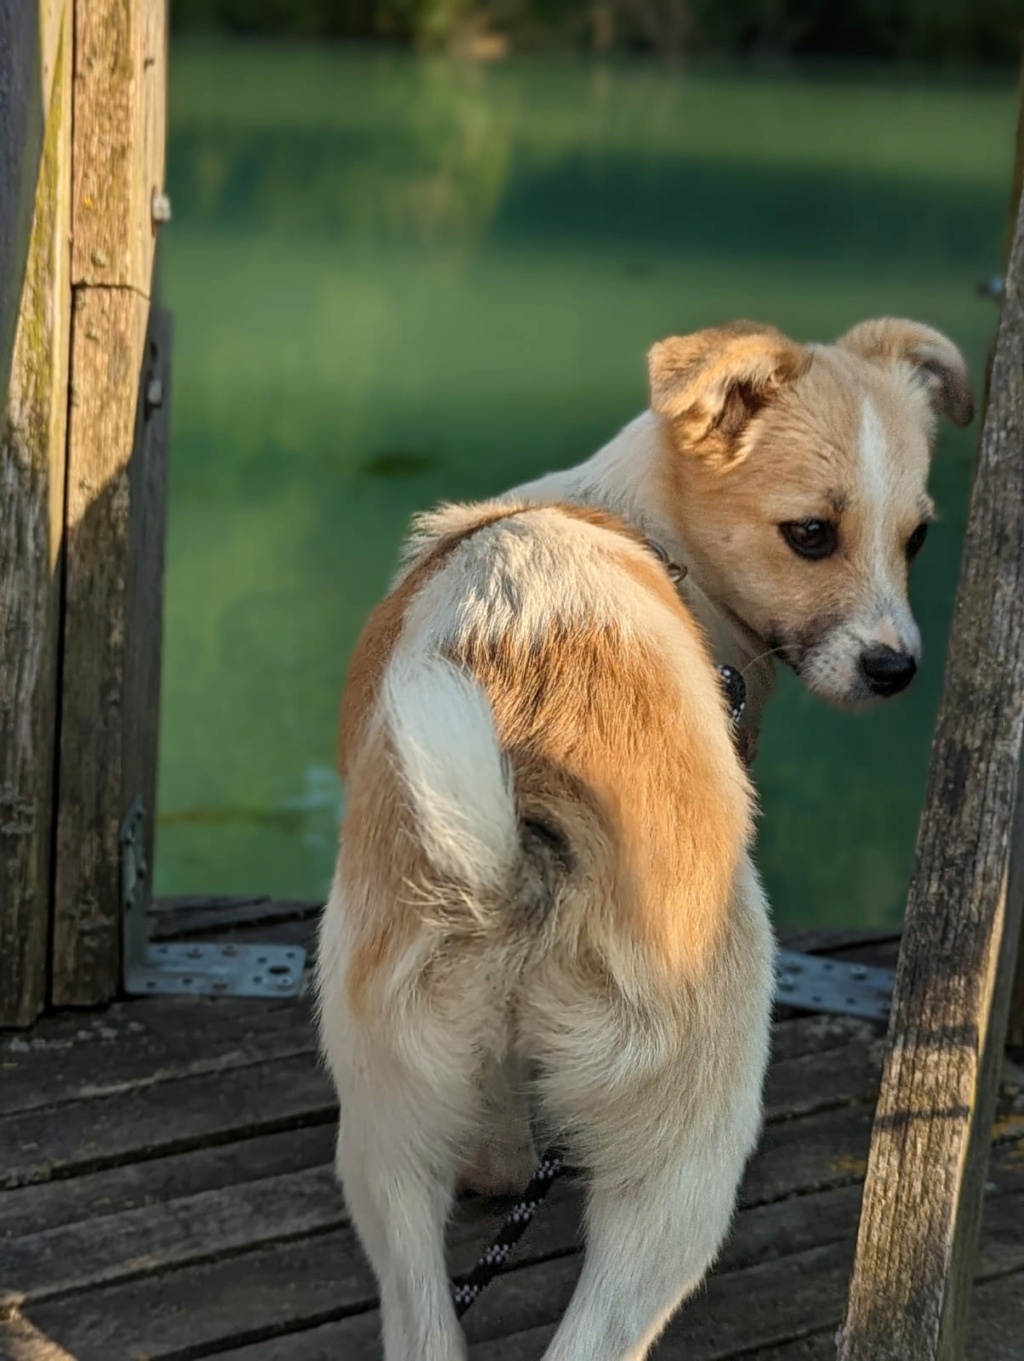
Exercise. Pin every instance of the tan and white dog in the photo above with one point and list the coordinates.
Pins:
(544, 896)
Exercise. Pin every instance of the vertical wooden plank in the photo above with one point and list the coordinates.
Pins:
(910, 1292)
(30, 37)
(32, 455)
(107, 343)
(22, 118)
(120, 117)
(119, 103)
(147, 536)
(1015, 1027)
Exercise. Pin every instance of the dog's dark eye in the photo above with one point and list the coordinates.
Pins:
(915, 542)
(811, 538)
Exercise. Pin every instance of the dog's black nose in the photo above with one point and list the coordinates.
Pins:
(886, 670)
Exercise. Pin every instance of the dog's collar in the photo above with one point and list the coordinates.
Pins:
(733, 684)
(676, 570)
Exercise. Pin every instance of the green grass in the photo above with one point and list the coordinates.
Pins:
(395, 280)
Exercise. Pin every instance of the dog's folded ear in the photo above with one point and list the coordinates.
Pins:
(932, 359)
(711, 384)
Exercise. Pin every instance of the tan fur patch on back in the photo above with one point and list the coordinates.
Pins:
(618, 739)
(597, 713)
(431, 546)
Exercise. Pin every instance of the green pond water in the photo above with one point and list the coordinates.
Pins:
(397, 279)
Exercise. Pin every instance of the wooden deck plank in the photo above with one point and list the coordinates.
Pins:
(109, 1245)
(209, 914)
(542, 1290)
(170, 1117)
(219, 1223)
(143, 1239)
(537, 1295)
(109, 1237)
(177, 1223)
(246, 1084)
(995, 1331)
(194, 1309)
(778, 1298)
(799, 1156)
(191, 915)
(770, 1303)
(175, 1177)
(199, 1228)
(351, 1339)
(139, 1044)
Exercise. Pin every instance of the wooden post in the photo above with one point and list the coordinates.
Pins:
(35, 185)
(118, 120)
(22, 120)
(911, 1286)
(144, 606)
(33, 35)
(1015, 1028)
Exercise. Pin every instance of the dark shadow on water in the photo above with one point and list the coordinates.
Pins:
(399, 463)
(672, 203)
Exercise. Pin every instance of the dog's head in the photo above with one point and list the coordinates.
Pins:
(797, 477)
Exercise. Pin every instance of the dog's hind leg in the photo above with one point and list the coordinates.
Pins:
(397, 1160)
(662, 1107)
(650, 1242)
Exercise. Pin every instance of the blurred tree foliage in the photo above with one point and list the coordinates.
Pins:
(946, 31)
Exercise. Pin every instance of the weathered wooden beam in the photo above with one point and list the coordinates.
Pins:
(32, 456)
(108, 334)
(119, 103)
(1015, 1028)
(144, 613)
(910, 1291)
(22, 122)
(120, 115)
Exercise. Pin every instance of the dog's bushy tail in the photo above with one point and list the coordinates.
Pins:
(457, 777)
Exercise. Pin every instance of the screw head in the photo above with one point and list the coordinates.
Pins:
(160, 207)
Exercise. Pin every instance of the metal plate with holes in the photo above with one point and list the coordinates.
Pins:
(817, 983)
(184, 968)
(220, 970)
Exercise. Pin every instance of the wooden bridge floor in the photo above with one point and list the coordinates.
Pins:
(168, 1193)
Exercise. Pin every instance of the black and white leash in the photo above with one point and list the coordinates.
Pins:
(496, 1258)
(467, 1288)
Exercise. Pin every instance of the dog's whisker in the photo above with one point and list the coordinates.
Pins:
(771, 652)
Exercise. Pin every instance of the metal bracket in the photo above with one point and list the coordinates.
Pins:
(182, 968)
(817, 983)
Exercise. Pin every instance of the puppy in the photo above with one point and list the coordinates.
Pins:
(544, 896)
